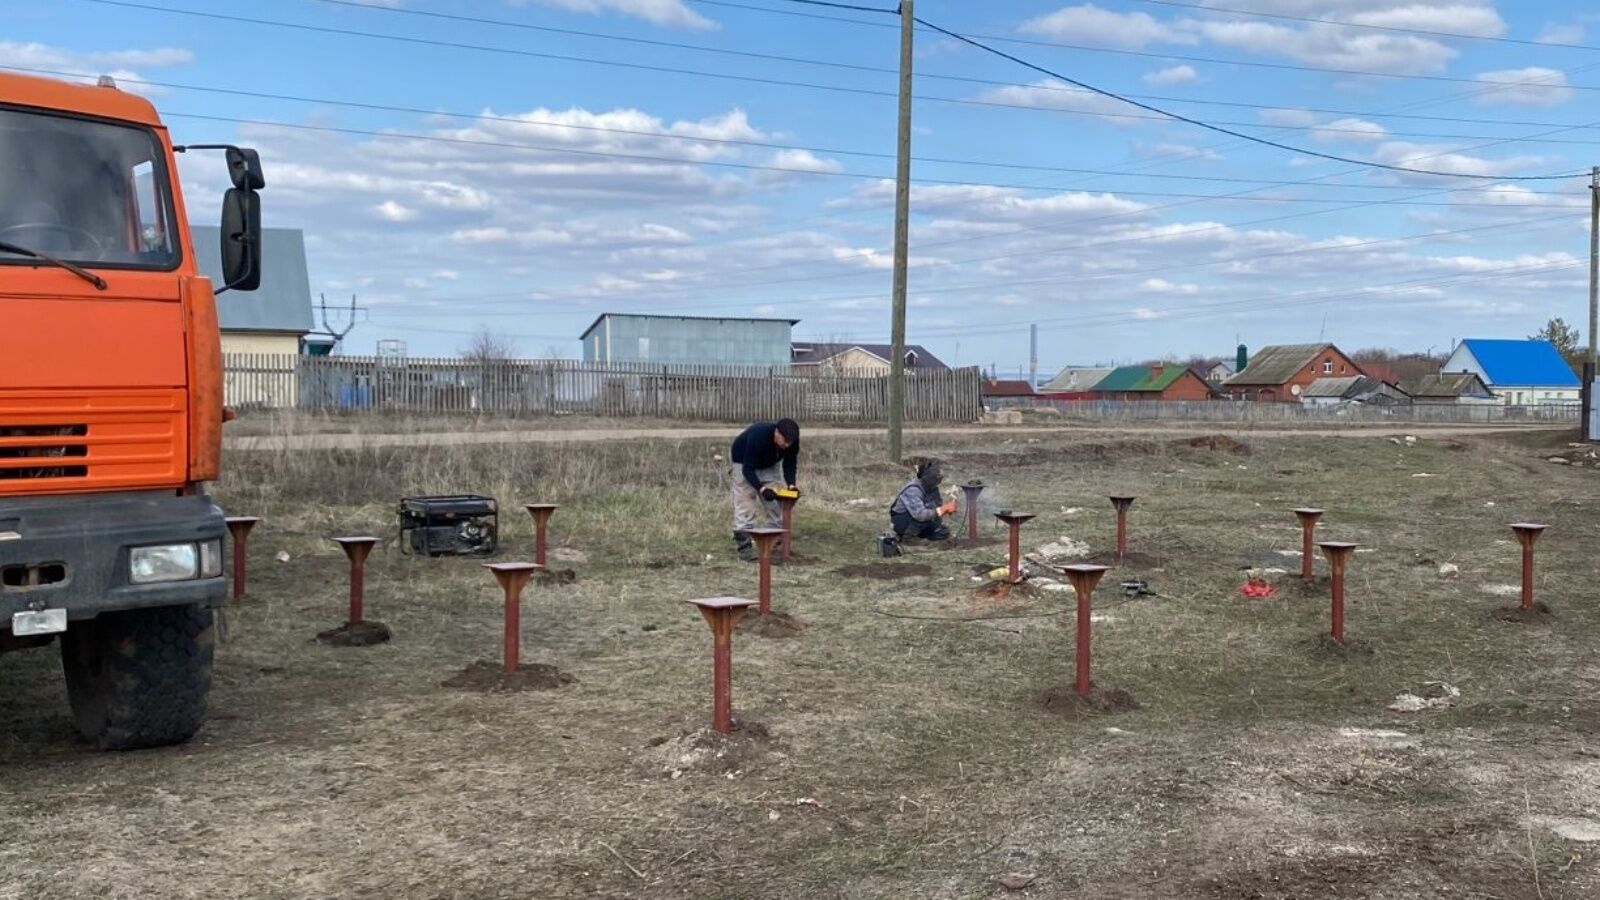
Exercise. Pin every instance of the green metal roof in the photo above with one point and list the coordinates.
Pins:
(1141, 378)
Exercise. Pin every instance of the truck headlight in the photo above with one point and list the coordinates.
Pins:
(211, 559)
(172, 562)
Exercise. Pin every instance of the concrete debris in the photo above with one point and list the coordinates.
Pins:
(1424, 475)
(1449, 570)
(861, 501)
(1378, 734)
(1064, 548)
(1560, 461)
(1489, 504)
(1071, 510)
(1440, 696)
(283, 556)
(1411, 440)
(1501, 590)
(1396, 441)
(1585, 831)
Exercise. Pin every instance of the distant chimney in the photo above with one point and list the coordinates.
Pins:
(1156, 370)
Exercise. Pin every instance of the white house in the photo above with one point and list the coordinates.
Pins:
(1520, 373)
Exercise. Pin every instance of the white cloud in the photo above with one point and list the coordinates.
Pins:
(394, 212)
(1049, 93)
(1535, 86)
(669, 13)
(1146, 314)
(1179, 151)
(1556, 33)
(1291, 118)
(1444, 159)
(1474, 19)
(1089, 24)
(804, 160)
(122, 65)
(1171, 76)
(1350, 130)
(1163, 286)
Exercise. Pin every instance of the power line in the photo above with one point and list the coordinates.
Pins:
(757, 167)
(701, 48)
(1219, 129)
(739, 142)
(1179, 57)
(725, 76)
(1453, 35)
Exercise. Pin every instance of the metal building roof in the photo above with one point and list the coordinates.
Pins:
(1448, 384)
(1141, 378)
(1529, 363)
(611, 315)
(283, 302)
(1073, 379)
(1277, 364)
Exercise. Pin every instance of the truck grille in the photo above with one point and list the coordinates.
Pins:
(53, 441)
(50, 445)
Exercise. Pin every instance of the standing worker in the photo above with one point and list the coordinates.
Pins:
(919, 509)
(764, 459)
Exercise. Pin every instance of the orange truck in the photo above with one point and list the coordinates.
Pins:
(111, 404)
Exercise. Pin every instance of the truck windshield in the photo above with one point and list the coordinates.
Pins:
(87, 191)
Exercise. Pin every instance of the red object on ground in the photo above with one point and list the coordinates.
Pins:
(1122, 504)
(239, 529)
(1527, 533)
(1308, 517)
(541, 513)
(787, 504)
(513, 576)
(1014, 522)
(1257, 589)
(1338, 553)
(722, 613)
(356, 549)
(1084, 578)
(765, 539)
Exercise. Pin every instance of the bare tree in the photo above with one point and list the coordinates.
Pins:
(489, 346)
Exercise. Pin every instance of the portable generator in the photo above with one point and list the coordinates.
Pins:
(459, 525)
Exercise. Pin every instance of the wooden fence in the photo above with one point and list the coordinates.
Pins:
(549, 387)
(1247, 413)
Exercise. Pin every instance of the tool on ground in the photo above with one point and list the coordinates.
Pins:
(889, 544)
(455, 525)
(1135, 587)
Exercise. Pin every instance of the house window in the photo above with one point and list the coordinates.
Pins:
(1327, 367)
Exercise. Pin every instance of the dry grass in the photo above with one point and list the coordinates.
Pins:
(900, 757)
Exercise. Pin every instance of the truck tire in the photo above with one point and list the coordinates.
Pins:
(139, 678)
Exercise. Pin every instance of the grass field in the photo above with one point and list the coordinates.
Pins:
(899, 747)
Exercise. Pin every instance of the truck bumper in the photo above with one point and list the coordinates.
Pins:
(81, 546)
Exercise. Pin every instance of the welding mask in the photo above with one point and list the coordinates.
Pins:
(930, 475)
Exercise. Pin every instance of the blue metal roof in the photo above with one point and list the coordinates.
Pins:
(1522, 363)
(282, 303)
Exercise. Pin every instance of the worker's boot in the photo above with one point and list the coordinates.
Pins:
(746, 546)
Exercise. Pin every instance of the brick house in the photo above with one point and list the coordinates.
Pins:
(1281, 373)
(1160, 381)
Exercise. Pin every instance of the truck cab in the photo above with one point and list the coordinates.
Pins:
(111, 405)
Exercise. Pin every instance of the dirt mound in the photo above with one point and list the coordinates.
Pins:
(1538, 614)
(1064, 700)
(551, 577)
(772, 625)
(710, 753)
(356, 634)
(488, 677)
(1324, 645)
(1216, 443)
(885, 571)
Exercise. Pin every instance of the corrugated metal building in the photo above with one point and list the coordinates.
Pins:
(274, 318)
(688, 340)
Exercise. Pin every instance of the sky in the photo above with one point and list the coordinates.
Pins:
(521, 166)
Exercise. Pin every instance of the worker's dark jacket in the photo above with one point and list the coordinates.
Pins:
(916, 510)
(754, 450)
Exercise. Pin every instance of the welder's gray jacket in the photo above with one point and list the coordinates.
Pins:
(917, 502)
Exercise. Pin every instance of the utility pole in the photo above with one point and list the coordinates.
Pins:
(1594, 303)
(902, 238)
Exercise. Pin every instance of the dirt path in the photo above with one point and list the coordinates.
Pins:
(721, 432)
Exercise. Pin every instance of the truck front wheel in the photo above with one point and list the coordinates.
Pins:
(139, 678)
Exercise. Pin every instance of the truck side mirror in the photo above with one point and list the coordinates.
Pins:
(241, 240)
(244, 168)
